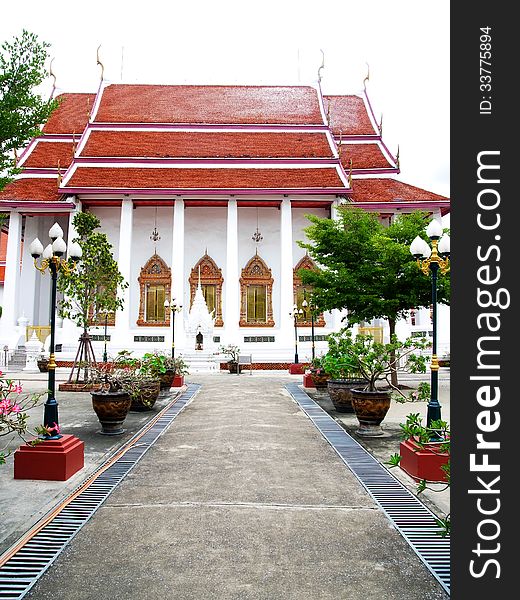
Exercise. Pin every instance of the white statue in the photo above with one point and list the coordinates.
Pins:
(200, 322)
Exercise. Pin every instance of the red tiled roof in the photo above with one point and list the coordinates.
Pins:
(364, 156)
(31, 188)
(209, 104)
(47, 155)
(196, 144)
(72, 114)
(386, 190)
(348, 115)
(136, 178)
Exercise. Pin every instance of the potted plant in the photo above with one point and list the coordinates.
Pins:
(373, 362)
(424, 451)
(43, 363)
(342, 376)
(147, 386)
(158, 364)
(233, 352)
(318, 373)
(112, 398)
(180, 368)
(424, 454)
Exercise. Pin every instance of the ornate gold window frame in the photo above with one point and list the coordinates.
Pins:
(256, 272)
(305, 263)
(210, 274)
(154, 272)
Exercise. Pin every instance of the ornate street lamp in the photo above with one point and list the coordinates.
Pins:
(175, 308)
(311, 306)
(52, 260)
(431, 260)
(295, 314)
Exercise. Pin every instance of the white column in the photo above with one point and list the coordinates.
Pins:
(70, 331)
(29, 275)
(124, 262)
(286, 323)
(231, 280)
(10, 305)
(178, 288)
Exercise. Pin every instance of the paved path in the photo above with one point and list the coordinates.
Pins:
(240, 498)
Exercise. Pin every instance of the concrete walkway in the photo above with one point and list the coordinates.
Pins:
(241, 498)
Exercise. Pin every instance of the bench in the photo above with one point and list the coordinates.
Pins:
(245, 360)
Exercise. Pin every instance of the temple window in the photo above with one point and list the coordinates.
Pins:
(211, 281)
(154, 283)
(155, 296)
(256, 304)
(256, 291)
(304, 292)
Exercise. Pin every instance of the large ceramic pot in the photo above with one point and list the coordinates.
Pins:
(111, 409)
(340, 392)
(146, 397)
(320, 380)
(166, 379)
(233, 366)
(43, 365)
(370, 409)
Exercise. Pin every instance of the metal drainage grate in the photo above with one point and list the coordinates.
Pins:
(414, 521)
(21, 571)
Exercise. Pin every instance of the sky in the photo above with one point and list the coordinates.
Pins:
(403, 43)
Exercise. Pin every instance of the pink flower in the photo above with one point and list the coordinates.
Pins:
(16, 408)
(56, 428)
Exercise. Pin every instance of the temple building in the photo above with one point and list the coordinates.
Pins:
(200, 190)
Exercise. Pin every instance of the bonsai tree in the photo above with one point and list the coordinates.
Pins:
(372, 361)
(92, 287)
(367, 268)
(232, 351)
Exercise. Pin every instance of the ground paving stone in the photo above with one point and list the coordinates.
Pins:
(241, 498)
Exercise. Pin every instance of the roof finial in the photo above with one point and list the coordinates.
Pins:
(322, 66)
(60, 176)
(350, 173)
(397, 161)
(367, 78)
(74, 145)
(380, 126)
(98, 62)
(340, 143)
(51, 74)
(15, 159)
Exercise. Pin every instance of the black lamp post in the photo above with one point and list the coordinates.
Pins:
(53, 261)
(296, 312)
(310, 304)
(433, 260)
(105, 313)
(175, 308)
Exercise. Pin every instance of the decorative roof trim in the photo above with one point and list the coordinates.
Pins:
(99, 161)
(204, 191)
(210, 126)
(37, 204)
(400, 204)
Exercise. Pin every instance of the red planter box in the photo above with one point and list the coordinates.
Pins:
(178, 381)
(307, 381)
(422, 463)
(297, 368)
(52, 460)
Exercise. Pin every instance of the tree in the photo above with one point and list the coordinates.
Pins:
(22, 68)
(367, 268)
(93, 286)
